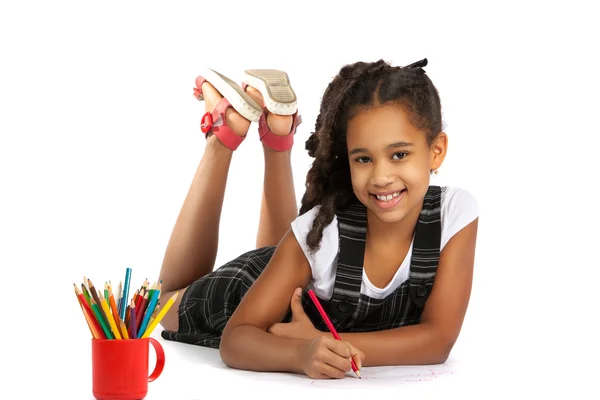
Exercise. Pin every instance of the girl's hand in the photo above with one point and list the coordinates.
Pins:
(326, 357)
(301, 327)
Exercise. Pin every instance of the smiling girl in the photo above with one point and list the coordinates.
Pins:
(389, 256)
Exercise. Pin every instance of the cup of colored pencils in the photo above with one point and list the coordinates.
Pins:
(121, 328)
(113, 315)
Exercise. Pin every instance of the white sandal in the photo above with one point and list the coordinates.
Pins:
(237, 97)
(275, 87)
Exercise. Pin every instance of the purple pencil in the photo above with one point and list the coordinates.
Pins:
(132, 321)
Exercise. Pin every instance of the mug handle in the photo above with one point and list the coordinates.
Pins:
(160, 359)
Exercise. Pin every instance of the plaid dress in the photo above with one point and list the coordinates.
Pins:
(209, 302)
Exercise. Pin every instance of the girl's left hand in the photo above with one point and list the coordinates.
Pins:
(301, 326)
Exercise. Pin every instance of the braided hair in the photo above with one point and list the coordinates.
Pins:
(357, 87)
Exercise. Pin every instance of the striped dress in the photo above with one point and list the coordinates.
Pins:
(209, 302)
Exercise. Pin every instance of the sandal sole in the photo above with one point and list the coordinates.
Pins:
(237, 97)
(274, 85)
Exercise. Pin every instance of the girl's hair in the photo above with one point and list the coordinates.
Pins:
(357, 87)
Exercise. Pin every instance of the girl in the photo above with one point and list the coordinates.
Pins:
(371, 238)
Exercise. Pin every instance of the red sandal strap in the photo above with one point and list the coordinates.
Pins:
(278, 143)
(198, 89)
(214, 122)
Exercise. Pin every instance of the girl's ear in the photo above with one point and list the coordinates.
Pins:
(438, 151)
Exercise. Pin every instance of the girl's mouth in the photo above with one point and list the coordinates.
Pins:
(388, 201)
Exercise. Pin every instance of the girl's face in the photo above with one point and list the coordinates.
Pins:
(390, 161)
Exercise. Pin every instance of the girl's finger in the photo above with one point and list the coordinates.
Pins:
(329, 370)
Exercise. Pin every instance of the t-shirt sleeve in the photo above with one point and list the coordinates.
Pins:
(321, 260)
(301, 226)
(458, 209)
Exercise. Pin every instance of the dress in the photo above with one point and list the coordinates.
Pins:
(209, 302)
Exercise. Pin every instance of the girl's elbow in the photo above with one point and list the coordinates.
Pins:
(443, 349)
(225, 349)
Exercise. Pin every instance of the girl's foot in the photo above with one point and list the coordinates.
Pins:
(280, 125)
(229, 109)
(279, 120)
(234, 120)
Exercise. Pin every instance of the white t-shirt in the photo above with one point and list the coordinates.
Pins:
(458, 209)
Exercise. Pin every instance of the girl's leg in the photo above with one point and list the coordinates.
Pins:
(192, 248)
(278, 208)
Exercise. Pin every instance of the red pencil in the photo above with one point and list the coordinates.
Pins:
(330, 325)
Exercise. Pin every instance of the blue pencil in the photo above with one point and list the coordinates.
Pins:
(125, 294)
(149, 311)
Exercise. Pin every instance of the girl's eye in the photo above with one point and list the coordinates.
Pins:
(363, 159)
(400, 155)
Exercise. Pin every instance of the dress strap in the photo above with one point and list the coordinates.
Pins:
(352, 227)
(426, 247)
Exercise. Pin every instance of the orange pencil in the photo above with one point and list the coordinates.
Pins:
(113, 307)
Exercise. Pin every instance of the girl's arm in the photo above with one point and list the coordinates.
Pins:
(430, 341)
(246, 342)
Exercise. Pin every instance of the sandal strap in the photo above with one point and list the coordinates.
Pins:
(198, 89)
(275, 142)
(214, 122)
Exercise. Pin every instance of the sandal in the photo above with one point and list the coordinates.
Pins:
(233, 96)
(275, 87)
(276, 142)
(279, 98)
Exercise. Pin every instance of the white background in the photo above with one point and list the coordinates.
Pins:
(100, 139)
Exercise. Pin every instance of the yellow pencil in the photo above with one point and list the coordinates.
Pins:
(109, 316)
(124, 330)
(160, 316)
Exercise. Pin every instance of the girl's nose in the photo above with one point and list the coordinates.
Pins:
(382, 174)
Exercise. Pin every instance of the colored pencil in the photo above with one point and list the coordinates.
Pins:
(152, 290)
(106, 329)
(124, 329)
(127, 314)
(149, 310)
(135, 294)
(119, 297)
(125, 292)
(159, 316)
(90, 312)
(329, 325)
(132, 323)
(94, 294)
(111, 320)
(106, 290)
(85, 314)
(113, 307)
(86, 294)
(139, 299)
(140, 311)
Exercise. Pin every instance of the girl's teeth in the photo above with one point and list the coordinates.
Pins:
(389, 197)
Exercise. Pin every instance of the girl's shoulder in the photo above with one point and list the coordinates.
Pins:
(328, 248)
(458, 208)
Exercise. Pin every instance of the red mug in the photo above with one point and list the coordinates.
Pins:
(120, 367)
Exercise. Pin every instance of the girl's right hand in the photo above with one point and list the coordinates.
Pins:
(326, 357)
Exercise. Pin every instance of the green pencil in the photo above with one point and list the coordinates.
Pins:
(86, 294)
(107, 331)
